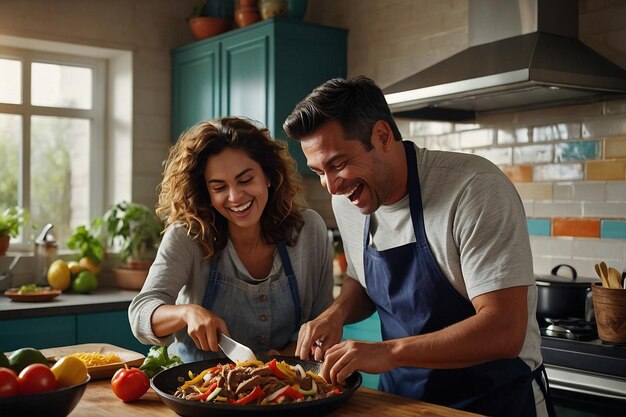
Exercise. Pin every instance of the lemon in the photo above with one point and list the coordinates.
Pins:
(89, 264)
(69, 371)
(85, 282)
(74, 267)
(59, 275)
(21, 358)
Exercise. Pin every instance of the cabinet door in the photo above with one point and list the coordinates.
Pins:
(111, 327)
(195, 86)
(37, 332)
(245, 76)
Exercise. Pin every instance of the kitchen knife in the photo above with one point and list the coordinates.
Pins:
(233, 350)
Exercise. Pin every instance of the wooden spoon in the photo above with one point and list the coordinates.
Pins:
(605, 281)
(614, 278)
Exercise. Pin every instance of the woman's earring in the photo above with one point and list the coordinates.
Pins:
(268, 185)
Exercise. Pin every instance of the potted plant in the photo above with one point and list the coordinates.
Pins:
(10, 221)
(135, 230)
(90, 249)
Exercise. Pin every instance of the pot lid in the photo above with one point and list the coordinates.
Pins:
(571, 279)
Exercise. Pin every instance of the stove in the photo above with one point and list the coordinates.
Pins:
(584, 372)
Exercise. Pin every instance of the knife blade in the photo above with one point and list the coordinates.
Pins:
(234, 350)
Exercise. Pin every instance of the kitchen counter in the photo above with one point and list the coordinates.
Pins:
(99, 401)
(103, 299)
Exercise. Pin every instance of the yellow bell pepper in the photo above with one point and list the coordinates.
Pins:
(69, 371)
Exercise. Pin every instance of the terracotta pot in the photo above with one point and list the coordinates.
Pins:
(247, 13)
(204, 27)
(130, 279)
(4, 244)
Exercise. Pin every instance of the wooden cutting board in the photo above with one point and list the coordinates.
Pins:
(128, 357)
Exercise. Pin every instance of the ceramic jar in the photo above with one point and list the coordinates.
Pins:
(246, 13)
(271, 8)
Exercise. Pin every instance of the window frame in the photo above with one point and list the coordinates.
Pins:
(96, 115)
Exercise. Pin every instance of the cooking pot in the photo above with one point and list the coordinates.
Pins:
(562, 297)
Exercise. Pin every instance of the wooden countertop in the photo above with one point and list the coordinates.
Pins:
(99, 401)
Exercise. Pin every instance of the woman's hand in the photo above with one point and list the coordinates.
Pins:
(203, 326)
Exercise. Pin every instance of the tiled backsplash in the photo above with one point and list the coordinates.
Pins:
(569, 168)
(567, 163)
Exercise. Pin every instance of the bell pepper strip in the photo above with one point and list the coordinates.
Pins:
(252, 362)
(210, 393)
(194, 380)
(288, 392)
(257, 392)
(274, 368)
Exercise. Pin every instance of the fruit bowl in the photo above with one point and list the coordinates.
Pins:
(57, 403)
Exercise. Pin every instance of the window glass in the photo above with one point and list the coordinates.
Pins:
(61, 86)
(10, 81)
(10, 138)
(59, 169)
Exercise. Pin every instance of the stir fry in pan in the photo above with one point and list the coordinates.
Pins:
(255, 383)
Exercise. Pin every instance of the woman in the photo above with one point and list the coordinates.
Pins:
(239, 254)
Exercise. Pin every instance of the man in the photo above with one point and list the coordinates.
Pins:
(437, 243)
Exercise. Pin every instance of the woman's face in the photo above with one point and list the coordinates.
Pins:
(237, 186)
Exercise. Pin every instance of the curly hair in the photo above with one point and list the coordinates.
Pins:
(357, 104)
(183, 193)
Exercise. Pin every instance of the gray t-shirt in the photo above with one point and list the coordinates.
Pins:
(476, 229)
(179, 276)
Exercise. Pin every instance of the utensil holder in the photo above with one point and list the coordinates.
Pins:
(609, 305)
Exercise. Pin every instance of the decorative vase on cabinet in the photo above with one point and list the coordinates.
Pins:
(271, 8)
(246, 13)
(261, 73)
(297, 8)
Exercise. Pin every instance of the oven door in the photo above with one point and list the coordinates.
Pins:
(578, 393)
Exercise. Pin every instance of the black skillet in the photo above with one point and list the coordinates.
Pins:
(166, 382)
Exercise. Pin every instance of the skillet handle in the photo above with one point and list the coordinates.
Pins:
(555, 270)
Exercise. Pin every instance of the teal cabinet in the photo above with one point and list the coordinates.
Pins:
(110, 327)
(37, 332)
(369, 331)
(260, 72)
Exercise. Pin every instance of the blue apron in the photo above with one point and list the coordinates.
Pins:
(413, 297)
(256, 314)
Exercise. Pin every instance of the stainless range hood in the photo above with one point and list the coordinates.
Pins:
(523, 54)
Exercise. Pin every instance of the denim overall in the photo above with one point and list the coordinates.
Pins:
(413, 297)
(257, 314)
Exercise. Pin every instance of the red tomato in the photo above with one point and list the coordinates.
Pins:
(8, 383)
(129, 384)
(36, 378)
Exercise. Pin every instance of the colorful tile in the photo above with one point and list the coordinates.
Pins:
(606, 170)
(532, 154)
(615, 148)
(499, 156)
(575, 227)
(557, 131)
(476, 138)
(613, 229)
(539, 227)
(519, 173)
(558, 172)
(510, 136)
(577, 151)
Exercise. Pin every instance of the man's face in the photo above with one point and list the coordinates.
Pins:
(346, 168)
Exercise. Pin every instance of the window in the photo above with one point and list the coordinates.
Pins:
(51, 138)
